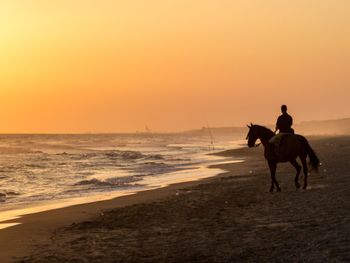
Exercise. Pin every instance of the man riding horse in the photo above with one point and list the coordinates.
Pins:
(283, 147)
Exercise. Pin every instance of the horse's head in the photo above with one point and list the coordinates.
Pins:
(253, 135)
(258, 132)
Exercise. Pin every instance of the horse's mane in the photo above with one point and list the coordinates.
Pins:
(265, 130)
(262, 127)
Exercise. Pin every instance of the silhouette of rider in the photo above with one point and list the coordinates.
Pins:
(284, 122)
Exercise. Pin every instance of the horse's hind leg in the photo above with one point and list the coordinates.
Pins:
(298, 168)
(273, 167)
(305, 170)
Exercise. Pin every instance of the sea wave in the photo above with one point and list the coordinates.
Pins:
(126, 155)
(4, 195)
(112, 182)
(17, 150)
(112, 155)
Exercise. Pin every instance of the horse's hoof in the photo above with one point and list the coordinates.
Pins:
(304, 188)
(297, 186)
(271, 190)
(279, 190)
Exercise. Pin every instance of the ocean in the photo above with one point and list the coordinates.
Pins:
(41, 169)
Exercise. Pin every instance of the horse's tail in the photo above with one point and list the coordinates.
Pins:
(314, 161)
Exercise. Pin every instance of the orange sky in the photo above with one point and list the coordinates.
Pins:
(113, 65)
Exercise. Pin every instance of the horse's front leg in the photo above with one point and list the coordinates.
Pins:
(273, 167)
(305, 170)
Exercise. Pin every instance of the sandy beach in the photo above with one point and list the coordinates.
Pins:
(228, 218)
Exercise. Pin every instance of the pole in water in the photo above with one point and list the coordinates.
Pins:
(211, 146)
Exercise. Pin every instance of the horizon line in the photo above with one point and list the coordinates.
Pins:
(153, 132)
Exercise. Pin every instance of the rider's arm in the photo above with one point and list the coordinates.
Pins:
(277, 125)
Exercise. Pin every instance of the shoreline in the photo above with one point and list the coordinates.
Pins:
(190, 173)
(227, 218)
(37, 225)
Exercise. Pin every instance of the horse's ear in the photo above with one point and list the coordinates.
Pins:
(248, 126)
(251, 124)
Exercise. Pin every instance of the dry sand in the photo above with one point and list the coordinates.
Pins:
(230, 218)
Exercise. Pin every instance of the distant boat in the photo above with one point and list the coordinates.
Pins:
(146, 131)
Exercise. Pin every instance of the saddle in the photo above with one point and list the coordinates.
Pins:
(275, 143)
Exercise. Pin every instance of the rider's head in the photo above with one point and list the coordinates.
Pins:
(284, 108)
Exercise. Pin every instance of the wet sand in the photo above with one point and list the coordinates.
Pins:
(229, 218)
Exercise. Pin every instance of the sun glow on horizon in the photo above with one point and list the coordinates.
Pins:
(109, 66)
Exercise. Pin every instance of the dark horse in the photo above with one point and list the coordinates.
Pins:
(291, 147)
